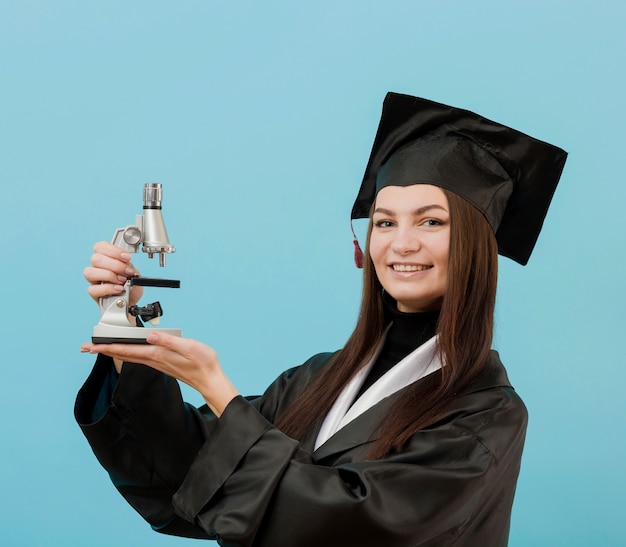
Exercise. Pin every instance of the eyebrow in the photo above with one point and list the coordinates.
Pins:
(419, 211)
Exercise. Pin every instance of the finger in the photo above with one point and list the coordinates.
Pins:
(90, 347)
(86, 347)
(113, 251)
(165, 340)
(174, 345)
(120, 267)
(104, 289)
(134, 353)
(183, 347)
(100, 275)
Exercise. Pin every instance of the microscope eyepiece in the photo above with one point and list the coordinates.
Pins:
(155, 240)
(152, 195)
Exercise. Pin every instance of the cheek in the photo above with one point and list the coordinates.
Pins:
(443, 257)
(373, 248)
(441, 249)
(377, 251)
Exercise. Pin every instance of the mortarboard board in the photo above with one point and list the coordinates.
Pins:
(509, 176)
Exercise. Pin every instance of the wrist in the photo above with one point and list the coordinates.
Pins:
(220, 394)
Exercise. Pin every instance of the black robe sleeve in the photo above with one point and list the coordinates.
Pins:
(241, 481)
(146, 439)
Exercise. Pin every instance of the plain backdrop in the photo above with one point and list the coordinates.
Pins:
(257, 118)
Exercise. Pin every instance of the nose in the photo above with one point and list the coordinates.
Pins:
(406, 240)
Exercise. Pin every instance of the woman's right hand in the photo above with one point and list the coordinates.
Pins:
(110, 269)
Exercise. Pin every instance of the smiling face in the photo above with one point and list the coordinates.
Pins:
(409, 245)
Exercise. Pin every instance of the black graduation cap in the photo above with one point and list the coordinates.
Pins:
(507, 175)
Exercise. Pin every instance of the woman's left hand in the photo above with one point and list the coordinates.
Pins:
(182, 358)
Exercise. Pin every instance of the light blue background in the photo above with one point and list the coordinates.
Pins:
(258, 117)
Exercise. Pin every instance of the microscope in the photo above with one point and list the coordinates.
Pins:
(148, 231)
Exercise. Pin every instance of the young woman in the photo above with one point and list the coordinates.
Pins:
(409, 435)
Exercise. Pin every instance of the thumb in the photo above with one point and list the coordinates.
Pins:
(163, 339)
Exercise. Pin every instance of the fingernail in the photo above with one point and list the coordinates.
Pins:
(153, 337)
(118, 288)
(121, 279)
(125, 256)
(130, 271)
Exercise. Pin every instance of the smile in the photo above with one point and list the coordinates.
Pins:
(409, 267)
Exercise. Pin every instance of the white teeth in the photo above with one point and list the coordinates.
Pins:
(409, 267)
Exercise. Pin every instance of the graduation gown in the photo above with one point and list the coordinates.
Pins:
(240, 480)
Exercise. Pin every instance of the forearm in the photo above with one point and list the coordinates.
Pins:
(218, 393)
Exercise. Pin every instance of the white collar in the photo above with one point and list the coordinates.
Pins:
(419, 363)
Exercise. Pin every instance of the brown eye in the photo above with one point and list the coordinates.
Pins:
(383, 224)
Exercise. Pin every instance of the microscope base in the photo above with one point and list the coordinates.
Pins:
(108, 334)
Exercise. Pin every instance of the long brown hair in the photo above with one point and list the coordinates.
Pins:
(465, 331)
